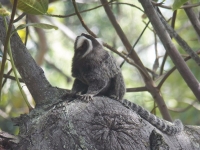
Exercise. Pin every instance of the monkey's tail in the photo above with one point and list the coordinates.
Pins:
(164, 126)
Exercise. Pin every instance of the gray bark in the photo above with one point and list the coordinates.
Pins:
(102, 124)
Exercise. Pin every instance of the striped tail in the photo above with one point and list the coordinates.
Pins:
(162, 125)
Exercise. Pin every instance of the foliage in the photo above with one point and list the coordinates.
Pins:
(178, 3)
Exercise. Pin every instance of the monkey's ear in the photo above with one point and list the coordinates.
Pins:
(100, 40)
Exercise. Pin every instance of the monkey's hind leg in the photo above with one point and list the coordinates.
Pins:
(117, 87)
(78, 88)
(96, 86)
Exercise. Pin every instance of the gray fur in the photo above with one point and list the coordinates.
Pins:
(162, 125)
(95, 71)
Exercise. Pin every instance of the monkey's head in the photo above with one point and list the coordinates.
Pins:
(84, 45)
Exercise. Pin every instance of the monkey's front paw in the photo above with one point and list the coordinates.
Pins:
(86, 97)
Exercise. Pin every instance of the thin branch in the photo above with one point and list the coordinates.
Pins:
(20, 17)
(129, 5)
(136, 42)
(27, 31)
(171, 71)
(156, 62)
(83, 11)
(180, 41)
(184, 70)
(12, 78)
(4, 81)
(8, 32)
(193, 19)
(138, 89)
(166, 55)
(183, 109)
(122, 36)
(147, 79)
(169, 7)
(81, 20)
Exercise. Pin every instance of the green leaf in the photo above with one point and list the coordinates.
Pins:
(37, 25)
(35, 7)
(4, 12)
(178, 3)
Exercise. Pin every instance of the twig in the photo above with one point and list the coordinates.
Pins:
(180, 41)
(129, 5)
(184, 109)
(169, 7)
(136, 43)
(156, 62)
(81, 20)
(170, 72)
(83, 11)
(138, 89)
(12, 78)
(20, 17)
(184, 70)
(4, 81)
(122, 36)
(166, 55)
(147, 79)
(193, 19)
(27, 31)
(7, 43)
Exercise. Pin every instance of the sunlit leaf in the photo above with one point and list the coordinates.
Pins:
(36, 7)
(37, 25)
(22, 34)
(178, 3)
(4, 12)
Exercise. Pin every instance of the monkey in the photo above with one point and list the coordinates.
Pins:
(97, 73)
(95, 70)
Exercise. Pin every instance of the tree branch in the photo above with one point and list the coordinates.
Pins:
(185, 72)
(193, 19)
(137, 89)
(147, 79)
(180, 41)
(171, 71)
(31, 73)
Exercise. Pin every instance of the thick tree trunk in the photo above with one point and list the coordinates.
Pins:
(102, 124)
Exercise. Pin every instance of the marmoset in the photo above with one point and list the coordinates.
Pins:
(95, 70)
(97, 73)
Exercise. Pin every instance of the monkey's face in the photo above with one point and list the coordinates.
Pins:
(84, 45)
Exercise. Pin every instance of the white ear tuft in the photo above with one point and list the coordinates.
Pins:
(79, 43)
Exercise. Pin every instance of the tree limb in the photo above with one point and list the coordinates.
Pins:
(147, 79)
(185, 72)
(31, 73)
(193, 19)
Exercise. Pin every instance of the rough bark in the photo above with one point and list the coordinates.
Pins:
(101, 124)
(31, 73)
